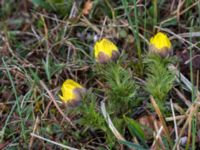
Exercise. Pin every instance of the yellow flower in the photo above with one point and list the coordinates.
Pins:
(160, 44)
(71, 92)
(105, 51)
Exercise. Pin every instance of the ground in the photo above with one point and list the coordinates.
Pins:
(136, 100)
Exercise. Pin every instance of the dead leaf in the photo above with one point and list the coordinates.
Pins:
(152, 123)
(149, 122)
(3, 145)
(87, 7)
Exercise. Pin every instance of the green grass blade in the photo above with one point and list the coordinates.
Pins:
(19, 111)
(136, 130)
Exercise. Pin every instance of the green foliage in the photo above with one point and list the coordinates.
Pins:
(136, 130)
(101, 8)
(135, 29)
(51, 68)
(119, 94)
(122, 88)
(6, 9)
(159, 78)
(91, 116)
(61, 7)
(25, 62)
(92, 119)
(133, 145)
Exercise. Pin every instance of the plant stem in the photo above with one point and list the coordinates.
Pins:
(193, 97)
(19, 110)
(135, 31)
(155, 6)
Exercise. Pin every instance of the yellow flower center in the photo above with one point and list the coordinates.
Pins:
(67, 89)
(160, 40)
(105, 46)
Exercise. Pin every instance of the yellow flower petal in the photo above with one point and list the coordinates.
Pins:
(69, 89)
(104, 47)
(160, 41)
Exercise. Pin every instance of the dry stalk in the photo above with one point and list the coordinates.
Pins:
(161, 118)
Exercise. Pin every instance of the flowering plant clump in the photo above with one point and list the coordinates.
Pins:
(105, 51)
(160, 44)
(71, 92)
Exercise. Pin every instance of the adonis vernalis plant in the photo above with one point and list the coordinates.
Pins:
(160, 44)
(105, 51)
(72, 92)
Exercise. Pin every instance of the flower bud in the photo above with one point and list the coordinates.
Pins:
(105, 51)
(71, 92)
(160, 44)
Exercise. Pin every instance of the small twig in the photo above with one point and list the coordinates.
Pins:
(178, 108)
(180, 4)
(161, 118)
(182, 97)
(178, 117)
(181, 13)
(72, 14)
(189, 118)
(172, 6)
(56, 105)
(34, 129)
(157, 136)
(189, 133)
(53, 142)
(102, 29)
(181, 77)
(190, 59)
(109, 122)
(193, 108)
(89, 24)
(46, 110)
(187, 35)
(175, 125)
